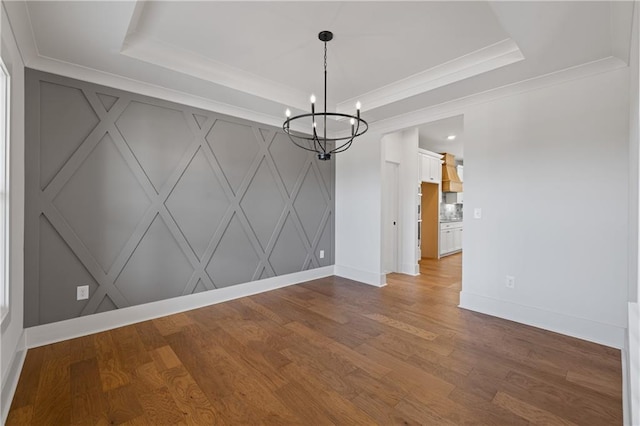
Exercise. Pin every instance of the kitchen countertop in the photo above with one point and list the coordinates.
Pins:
(450, 220)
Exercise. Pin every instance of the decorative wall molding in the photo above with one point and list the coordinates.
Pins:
(143, 200)
(601, 333)
(77, 327)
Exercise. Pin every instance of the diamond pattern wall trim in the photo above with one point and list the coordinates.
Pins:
(144, 199)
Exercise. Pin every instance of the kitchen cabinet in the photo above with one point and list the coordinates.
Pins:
(430, 166)
(450, 238)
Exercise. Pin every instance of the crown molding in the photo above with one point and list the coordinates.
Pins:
(20, 22)
(497, 55)
(156, 52)
(458, 106)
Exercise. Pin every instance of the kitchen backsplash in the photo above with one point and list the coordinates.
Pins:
(450, 211)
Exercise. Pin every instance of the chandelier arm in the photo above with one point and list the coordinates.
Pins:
(342, 147)
(298, 145)
(316, 142)
(347, 144)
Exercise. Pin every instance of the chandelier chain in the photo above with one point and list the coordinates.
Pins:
(325, 56)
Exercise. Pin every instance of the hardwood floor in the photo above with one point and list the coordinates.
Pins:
(330, 351)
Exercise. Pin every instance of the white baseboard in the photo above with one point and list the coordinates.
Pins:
(82, 326)
(597, 332)
(412, 269)
(631, 383)
(10, 382)
(372, 278)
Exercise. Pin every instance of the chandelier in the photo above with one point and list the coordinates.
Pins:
(319, 143)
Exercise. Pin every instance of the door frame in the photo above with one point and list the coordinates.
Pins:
(391, 202)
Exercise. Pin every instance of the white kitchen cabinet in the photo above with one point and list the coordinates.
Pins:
(460, 170)
(446, 241)
(450, 238)
(430, 166)
(457, 239)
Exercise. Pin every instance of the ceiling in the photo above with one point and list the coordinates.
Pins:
(395, 57)
(433, 136)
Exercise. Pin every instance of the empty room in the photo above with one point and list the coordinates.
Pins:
(319, 212)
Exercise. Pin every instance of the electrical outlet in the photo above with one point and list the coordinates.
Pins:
(82, 292)
(477, 213)
(510, 281)
(321, 254)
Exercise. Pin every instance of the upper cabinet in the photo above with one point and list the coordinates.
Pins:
(460, 170)
(430, 166)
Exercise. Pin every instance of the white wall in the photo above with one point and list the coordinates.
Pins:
(549, 169)
(359, 211)
(632, 356)
(12, 331)
(402, 148)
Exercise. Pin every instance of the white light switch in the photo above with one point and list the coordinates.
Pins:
(321, 254)
(477, 213)
(82, 292)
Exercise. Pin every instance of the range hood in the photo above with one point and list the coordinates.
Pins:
(450, 180)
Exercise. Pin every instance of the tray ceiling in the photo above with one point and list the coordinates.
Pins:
(264, 56)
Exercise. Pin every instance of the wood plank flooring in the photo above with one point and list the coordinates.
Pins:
(330, 351)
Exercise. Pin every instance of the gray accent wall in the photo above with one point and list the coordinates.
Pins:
(143, 199)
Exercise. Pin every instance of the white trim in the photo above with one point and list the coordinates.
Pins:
(458, 106)
(115, 81)
(412, 269)
(486, 59)
(372, 278)
(23, 30)
(626, 403)
(156, 52)
(630, 379)
(593, 331)
(10, 382)
(76, 327)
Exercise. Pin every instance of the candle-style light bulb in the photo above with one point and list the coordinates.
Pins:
(287, 113)
(313, 99)
(353, 122)
(314, 124)
(358, 105)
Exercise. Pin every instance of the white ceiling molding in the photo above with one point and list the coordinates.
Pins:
(482, 60)
(22, 30)
(621, 23)
(91, 75)
(23, 33)
(75, 40)
(458, 106)
(156, 52)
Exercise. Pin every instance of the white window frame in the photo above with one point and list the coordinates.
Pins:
(5, 134)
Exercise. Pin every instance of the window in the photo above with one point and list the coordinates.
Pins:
(4, 196)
